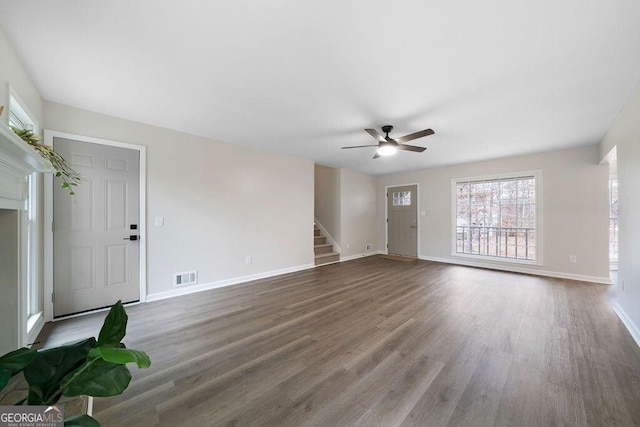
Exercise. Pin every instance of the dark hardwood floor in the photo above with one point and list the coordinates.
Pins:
(382, 343)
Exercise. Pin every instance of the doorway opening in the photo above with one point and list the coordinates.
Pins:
(98, 252)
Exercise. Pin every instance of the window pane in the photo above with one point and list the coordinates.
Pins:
(497, 217)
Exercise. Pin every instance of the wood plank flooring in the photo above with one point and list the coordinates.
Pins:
(377, 342)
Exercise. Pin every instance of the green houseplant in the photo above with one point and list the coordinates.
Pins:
(94, 367)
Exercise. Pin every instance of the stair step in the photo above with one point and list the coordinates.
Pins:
(327, 258)
(323, 248)
(319, 240)
(316, 232)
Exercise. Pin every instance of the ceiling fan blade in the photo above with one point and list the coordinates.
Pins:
(411, 148)
(416, 135)
(374, 133)
(360, 146)
(375, 156)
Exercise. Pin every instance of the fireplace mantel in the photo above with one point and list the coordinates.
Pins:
(17, 160)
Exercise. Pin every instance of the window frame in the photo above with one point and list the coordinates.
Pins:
(537, 174)
(614, 221)
(32, 309)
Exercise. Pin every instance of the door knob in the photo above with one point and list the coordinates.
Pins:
(132, 237)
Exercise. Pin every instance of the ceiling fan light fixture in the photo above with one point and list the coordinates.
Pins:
(387, 150)
(388, 146)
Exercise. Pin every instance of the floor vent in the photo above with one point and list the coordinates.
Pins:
(187, 278)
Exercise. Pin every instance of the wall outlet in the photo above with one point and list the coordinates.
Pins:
(159, 221)
(573, 259)
(368, 247)
(247, 260)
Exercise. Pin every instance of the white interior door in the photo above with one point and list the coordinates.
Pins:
(96, 261)
(402, 219)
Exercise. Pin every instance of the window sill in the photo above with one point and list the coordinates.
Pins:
(496, 260)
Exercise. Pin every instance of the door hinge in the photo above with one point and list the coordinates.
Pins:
(52, 227)
(53, 297)
(387, 219)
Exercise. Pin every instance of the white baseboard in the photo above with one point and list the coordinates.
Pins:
(519, 269)
(185, 290)
(325, 233)
(626, 320)
(358, 256)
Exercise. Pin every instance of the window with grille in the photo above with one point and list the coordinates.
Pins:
(401, 198)
(497, 217)
(613, 222)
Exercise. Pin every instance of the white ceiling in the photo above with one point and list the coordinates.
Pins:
(493, 78)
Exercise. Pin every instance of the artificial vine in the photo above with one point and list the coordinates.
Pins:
(64, 171)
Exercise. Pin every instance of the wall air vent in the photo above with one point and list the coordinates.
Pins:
(187, 278)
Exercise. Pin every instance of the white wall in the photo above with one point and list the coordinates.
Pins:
(12, 72)
(624, 134)
(327, 199)
(575, 211)
(358, 213)
(221, 202)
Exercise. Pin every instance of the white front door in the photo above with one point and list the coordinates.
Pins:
(96, 260)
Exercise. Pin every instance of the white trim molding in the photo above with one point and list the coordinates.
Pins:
(521, 269)
(626, 320)
(49, 136)
(185, 290)
(35, 323)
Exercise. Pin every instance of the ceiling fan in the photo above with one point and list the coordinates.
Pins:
(388, 146)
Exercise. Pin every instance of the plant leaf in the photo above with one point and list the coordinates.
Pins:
(17, 360)
(5, 376)
(46, 372)
(114, 327)
(121, 356)
(81, 420)
(101, 379)
(14, 362)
